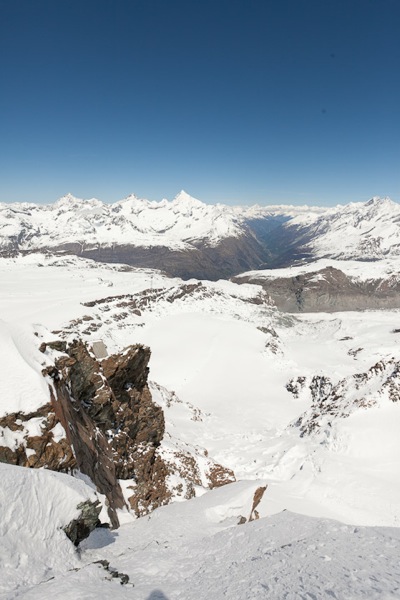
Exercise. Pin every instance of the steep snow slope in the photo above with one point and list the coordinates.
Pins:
(24, 387)
(358, 231)
(35, 506)
(281, 556)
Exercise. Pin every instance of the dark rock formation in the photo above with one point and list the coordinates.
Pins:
(38, 450)
(102, 421)
(81, 527)
(201, 260)
(112, 427)
(327, 290)
(115, 428)
(112, 573)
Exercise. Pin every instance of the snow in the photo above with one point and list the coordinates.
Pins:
(132, 221)
(213, 348)
(22, 387)
(35, 504)
(360, 270)
(196, 550)
(360, 231)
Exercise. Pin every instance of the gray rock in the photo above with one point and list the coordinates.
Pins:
(80, 528)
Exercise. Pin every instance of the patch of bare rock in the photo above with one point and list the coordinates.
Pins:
(327, 290)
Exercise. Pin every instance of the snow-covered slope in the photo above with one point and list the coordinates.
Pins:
(35, 506)
(358, 231)
(250, 384)
(131, 221)
(197, 551)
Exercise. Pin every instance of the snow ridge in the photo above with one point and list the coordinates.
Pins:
(360, 231)
(132, 221)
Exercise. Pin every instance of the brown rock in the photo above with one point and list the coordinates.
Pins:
(219, 476)
(113, 431)
(258, 494)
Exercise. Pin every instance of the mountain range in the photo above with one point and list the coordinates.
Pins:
(187, 238)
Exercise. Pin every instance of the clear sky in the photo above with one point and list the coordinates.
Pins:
(236, 101)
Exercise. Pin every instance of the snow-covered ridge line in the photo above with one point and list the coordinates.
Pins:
(187, 238)
(181, 198)
(360, 231)
(132, 220)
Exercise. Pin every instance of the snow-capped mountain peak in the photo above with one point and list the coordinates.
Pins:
(252, 236)
(131, 197)
(71, 202)
(378, 201)
(67, 200)
(360, 231)
(185, 197)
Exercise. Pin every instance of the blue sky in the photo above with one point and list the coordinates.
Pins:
(268, 101)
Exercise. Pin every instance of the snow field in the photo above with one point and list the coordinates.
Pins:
(230, 399)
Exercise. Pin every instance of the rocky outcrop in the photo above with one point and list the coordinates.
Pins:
(107, 425)
(81, 527)
(102, 421)
(327, 290)
(330, 402)
(201, 261)
(115, 428)
(39, 445)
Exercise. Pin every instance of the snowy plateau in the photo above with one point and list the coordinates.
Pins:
(199, 402)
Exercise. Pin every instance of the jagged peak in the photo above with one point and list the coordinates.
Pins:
(379, 201)
(67, 198)
(69, 201)
(132, 196)
(184, 198)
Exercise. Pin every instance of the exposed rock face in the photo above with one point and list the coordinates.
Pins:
(121, 426)
(110, 428)
(328, 290)
(201, 261)
(147, 299)
(80, 528)
(102, 421)
(330, 402)
(39, 446)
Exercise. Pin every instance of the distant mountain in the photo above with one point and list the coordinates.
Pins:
(188, 238)
(357, 231)
(328, 288)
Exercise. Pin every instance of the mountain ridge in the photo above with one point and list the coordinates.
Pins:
(188, 238)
